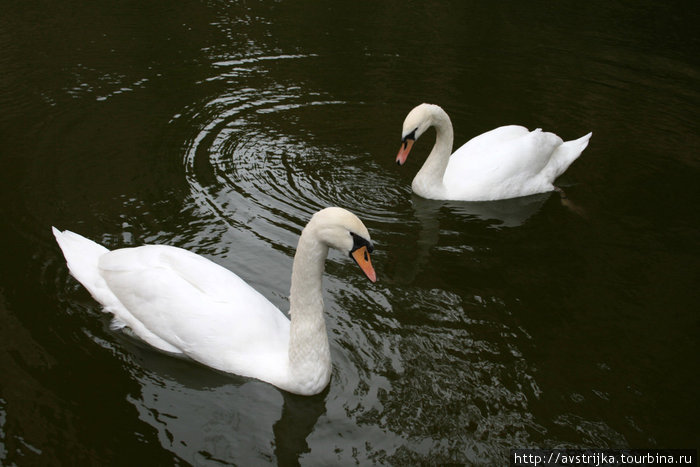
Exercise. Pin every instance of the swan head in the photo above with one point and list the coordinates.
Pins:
(415, 124)
(340, 229)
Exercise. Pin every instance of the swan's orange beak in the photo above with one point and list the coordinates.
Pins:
(361, 257)
(404, 150)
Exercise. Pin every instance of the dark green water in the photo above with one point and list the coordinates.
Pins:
(222, 126)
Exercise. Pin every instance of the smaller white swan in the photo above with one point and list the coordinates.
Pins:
(182, 303)
(507, 162)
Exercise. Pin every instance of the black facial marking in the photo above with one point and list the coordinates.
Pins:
(411, 135)
(359, 242)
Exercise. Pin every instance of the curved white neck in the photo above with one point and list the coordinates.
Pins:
(428, 181)
(309, 353)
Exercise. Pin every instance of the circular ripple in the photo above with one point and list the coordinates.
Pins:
(271, 158)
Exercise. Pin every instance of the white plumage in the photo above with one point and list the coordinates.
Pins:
(183, 303)
(507, 162)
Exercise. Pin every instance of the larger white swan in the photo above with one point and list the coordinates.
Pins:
(507, 162)
(182, 303)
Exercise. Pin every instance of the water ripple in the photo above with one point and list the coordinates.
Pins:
(251, 158)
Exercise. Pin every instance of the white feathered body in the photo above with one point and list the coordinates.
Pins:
(183, 303)
(508, 162)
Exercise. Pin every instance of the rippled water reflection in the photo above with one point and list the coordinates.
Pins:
(222, 127)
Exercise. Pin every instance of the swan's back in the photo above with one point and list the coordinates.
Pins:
(204, 310)
(504, 163)
(483, 142)
(180, 302)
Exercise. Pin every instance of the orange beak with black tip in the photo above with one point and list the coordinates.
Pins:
(361, 257)
(406, 146)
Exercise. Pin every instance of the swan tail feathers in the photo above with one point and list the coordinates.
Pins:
(566, 154)
(82, 256)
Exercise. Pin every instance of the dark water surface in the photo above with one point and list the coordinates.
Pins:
(221, 126)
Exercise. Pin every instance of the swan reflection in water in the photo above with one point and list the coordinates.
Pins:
(506, 213)
(202, 416)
